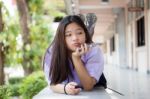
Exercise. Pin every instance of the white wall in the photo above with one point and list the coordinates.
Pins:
(137, 57)
(113, 57)
(141, 58)
(126, 51)
(148, 41)
(108, 54)
(129, 46)
(134, 45)
(116, 50)
(118, 57)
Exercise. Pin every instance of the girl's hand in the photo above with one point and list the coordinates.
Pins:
(80, 51)
(71, 90)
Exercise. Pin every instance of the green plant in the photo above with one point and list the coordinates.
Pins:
(5, 92)
(32, 84)
(14, 86)
(15, 89)
(15, 80)
(58, 18)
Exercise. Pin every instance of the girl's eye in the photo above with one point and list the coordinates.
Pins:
(67, 35)
(79, 32)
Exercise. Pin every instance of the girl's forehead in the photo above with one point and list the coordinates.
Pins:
(73, 26)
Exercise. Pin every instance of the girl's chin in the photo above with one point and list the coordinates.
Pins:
(72, 50)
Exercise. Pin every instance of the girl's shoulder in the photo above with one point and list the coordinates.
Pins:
(48, 54)
(93, 52)
(49, 50)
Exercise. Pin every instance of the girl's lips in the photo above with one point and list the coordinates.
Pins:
(77, 44)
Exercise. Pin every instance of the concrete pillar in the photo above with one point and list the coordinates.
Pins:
(120, 29)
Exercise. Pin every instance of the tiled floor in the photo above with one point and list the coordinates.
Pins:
(133, 84)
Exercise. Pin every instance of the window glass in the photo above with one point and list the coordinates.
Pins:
(141, 32)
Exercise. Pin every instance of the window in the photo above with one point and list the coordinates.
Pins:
(112, 44)
(140, 32)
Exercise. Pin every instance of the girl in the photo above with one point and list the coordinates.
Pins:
(69, 61)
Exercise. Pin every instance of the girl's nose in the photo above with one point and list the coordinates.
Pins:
(74, 37)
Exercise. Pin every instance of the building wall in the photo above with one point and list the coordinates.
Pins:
(127, 53)
(148, 25)
(112, 57)
(129, 46)
(138, 57)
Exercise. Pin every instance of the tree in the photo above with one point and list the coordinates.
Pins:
(1, 50)
(27, 35)
(23, 13)
(1, 64)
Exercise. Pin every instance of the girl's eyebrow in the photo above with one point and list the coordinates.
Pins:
(79, 29)
(74, 30)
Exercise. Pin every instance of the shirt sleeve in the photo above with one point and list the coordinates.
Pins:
(47, 62)
(95, 63)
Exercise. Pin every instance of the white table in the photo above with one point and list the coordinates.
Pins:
(97, 93)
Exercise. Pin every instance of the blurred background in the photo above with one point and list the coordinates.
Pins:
(27, 27)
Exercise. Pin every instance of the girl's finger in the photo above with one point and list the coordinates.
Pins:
(73, 83)
(82, 49)
(85, 47)
(76, 91)
(79, 50)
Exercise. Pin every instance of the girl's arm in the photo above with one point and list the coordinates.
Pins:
(59, 88)
(69, 88)
(87, 81)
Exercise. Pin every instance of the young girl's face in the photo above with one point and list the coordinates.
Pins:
(74, 36)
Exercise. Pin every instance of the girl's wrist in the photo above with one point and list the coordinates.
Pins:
(65, 89)
(76, 57)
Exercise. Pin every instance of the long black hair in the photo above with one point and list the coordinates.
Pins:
(59, 67)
